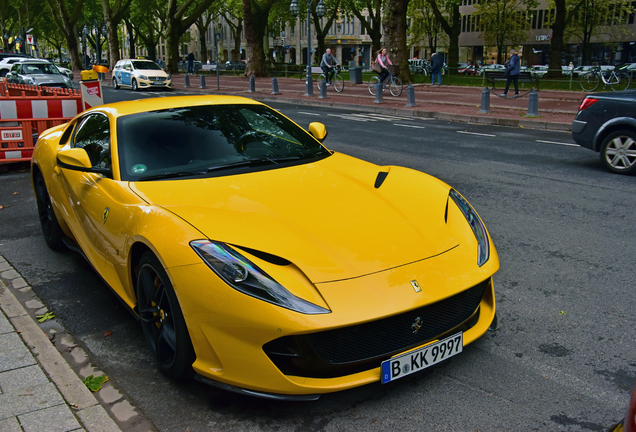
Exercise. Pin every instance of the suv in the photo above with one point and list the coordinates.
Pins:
(606, 123)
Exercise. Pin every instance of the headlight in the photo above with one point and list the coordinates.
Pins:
(169, 78)
(31, 81)
(242, 275)
(143, 77)
(483, 247)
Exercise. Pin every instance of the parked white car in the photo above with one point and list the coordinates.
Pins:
(583, 70)
(139, 74)
(7, 62)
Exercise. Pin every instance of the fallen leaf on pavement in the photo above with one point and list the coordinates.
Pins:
(47, 316)
(108, 333)
(95, 383)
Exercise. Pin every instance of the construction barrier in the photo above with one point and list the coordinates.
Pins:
(27, 111)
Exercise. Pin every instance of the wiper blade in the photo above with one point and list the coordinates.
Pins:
(172, 174)
(253, 162)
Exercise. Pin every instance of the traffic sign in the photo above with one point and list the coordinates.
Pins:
(29, 39)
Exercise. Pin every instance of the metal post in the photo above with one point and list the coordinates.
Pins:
(252, 85)
(187, 81)
(202, 86)
(323, 90)
(410, 96)
(275, 86)
(309, 85)
(485, 101)
(533, 104)
(379, 93)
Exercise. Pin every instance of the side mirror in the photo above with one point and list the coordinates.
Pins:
(77, 159)
(318, 131)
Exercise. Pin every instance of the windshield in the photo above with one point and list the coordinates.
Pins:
(39, 68)
(210, 140)
(146, 65)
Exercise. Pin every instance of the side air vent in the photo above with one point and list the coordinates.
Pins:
(273, 259)
(380, 179)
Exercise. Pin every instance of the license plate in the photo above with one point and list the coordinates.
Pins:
(158, 82)
(419, 359)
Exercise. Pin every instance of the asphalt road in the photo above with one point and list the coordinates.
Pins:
(562, 358)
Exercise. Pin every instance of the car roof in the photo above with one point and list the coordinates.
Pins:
(119, 109)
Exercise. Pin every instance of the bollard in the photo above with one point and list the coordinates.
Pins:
(533, 104)
(379, 93)
(202, 86)
(252, 85)
(323, 90)
(275, 86)
(187, 81)
(485, 101)
(410, 96)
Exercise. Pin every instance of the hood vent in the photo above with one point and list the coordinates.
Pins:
(380, 179)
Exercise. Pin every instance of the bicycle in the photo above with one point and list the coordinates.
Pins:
(394, 83)
(336, 80)
(616, 81)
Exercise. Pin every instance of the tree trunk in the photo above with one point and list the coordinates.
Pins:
(394, 22)
(556, 43)
(255, 24)
(452, 29)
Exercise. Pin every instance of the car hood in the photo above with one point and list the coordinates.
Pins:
(326, 217)
(46, 78)
(152, 73)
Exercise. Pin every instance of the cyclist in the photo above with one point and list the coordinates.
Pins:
(382, 59)
(326, 65)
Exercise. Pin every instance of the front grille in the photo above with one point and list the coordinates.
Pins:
(57, 85)
(158, 79)
(348, 350)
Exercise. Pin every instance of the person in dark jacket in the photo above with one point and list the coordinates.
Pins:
(514, 69)
(190, 63)
(437, 62)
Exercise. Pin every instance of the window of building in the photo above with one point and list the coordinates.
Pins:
(632, 15)
(540, 19)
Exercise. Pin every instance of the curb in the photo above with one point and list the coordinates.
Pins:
(91, 415)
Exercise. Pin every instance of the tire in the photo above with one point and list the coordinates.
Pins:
(622, 82)
(134, 85)
(319, 81)
(618, 152)
(338, 83)
(590, 81)
(372, 83)
(162, 320)
(115, 85)
(48, 221)
(395, 86)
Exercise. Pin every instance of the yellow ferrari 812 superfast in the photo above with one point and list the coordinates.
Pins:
(256, 259)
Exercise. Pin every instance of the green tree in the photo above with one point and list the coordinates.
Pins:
(232, 12)
(29, 13)
(449, 18)
(324, 24)
(504, 22)
(66, 15)
(8, 23)
(256, 17)
(114, 11)
(424, 24)
(372, 21)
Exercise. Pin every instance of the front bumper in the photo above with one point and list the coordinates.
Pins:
(230, 331)
(154, 83)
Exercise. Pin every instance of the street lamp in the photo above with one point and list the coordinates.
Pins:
(321, 9)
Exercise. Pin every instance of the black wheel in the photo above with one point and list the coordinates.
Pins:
(50, 227)
(372, 83)
(621, 82)
(134, 85)
(115, 85)
(395, 86)
(162, 320)
(319, 81)
(338, 83)
(618, 152)
(590, 81)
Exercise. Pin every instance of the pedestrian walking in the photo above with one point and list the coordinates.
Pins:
(328, 60)
(513, 70)
(382, 59)
(190, 63)
(437, 62)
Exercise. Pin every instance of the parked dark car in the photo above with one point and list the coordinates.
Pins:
(234, 65)
(606, 123)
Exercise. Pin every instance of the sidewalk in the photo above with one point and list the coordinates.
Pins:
(557, 108)
(38, 389)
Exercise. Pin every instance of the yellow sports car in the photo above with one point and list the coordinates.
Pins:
(256, 259)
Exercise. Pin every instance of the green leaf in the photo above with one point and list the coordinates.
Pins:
(47, 316)
(95, 383)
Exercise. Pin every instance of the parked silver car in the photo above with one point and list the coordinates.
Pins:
(38, 73)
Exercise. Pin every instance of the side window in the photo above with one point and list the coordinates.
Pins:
(93, 135)
(16, 68)
(127, 66)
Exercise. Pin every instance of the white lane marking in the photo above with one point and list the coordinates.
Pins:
(385, 117)
(352, 117)
(475, 133)
(558, 143)
(409, 126)
(308, 113)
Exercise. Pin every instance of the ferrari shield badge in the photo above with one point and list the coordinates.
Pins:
(105, 215)
(416, 286)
